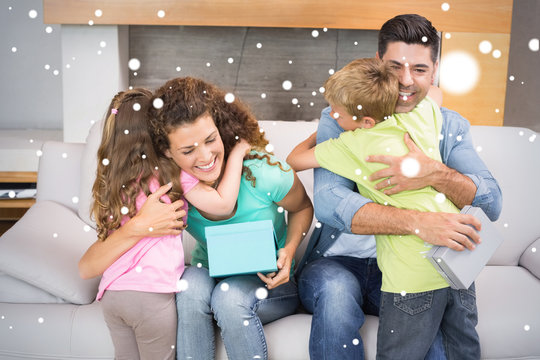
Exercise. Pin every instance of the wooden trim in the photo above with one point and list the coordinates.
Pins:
(486, 16)
(18, 176)
(15, 204)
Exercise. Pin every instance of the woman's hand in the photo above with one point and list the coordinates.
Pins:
(156, 218)
(284, 263)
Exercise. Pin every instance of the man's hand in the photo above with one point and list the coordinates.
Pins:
(450, 230)
(284, 263)
(156, 218)
(394, 179)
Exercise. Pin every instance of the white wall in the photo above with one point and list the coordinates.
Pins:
(30, 95)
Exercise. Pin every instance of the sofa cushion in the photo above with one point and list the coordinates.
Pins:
(515, 170)
(508, 316)
(16, 291)
(88, 172)
(43, 249)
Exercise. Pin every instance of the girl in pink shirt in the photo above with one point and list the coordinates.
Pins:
(137, 292)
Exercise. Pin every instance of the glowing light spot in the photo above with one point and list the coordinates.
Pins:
(318, 225)
(417, 231)
(259, 45)
(86, 228)
(90, 22)
(533, 249)
(40, 320)
(534, 44)
(478, 148)
(136, 107)
(358, 172)
(229, 97)
(124, 210)
(157, 103)
(32, 14)
(461, 72)
(424, 38)
(208, 64)
(14, 49)
(526, 328)
(182, 285)
(505, 225)
(230, 60)
(134, 64)
(12, 194)
(294, 101)
(126, 131)
(150, 229)
(224, 286)
(410, 167)
(269, 148)
(286, 85)
(331, 71)
(105, 162)
(485, 47)
(138, 269)
(261, 293)
(75, 199)
(403, 293)
(359, 107)
(290, 62)
(246, 323)
(322, 90)
(199, 265)
(102, 44)
(445, 6)
(280, 209)
(355, 342)
(56, 72)
(448, 35)
(98, 13)
(315, 33)
(55, 235)
(440, 198)
(47, 66)
(532, 138)
(161, 14)
(263, 96)
(496, 53)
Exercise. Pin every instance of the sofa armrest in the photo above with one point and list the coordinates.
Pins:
(59, 173)
(530, 259)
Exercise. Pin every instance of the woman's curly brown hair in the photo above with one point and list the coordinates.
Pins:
(187, 99)
(127, 160)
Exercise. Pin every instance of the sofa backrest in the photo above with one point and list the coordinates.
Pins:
(58, 175)
(513, 156)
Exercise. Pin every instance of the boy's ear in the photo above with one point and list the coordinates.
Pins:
(368, 122)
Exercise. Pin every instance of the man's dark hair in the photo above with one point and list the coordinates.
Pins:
(410, 29)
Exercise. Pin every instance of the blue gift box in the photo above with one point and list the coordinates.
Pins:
(242, 248)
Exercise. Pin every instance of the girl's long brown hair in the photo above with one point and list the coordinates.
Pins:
(186, 99)
(127, 160)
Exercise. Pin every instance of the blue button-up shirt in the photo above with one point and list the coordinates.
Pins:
(337, 200)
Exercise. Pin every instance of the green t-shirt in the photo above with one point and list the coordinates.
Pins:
(401, 259)
(253, 204)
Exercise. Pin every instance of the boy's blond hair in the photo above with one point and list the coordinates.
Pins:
(364, 87)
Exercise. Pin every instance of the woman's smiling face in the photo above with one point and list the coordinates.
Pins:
(197, 148)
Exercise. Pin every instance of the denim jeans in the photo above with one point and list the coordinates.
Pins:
(339, 291)
(238, 308)
(408, 324)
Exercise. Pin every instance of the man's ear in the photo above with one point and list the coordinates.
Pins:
(368, 122)
(377, 55)
(435, 67)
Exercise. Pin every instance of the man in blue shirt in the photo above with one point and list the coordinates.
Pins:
(339, 281)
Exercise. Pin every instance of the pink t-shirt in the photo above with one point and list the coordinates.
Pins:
(154, 264)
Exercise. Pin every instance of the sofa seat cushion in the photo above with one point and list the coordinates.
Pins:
(16, 291)
(508, 313)
(43, 249)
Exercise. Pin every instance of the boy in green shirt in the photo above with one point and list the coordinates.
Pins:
(363, 97)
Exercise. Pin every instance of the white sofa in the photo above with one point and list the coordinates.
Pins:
(48, 312)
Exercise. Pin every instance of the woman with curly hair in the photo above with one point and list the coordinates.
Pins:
(197, 128)
(137, 290)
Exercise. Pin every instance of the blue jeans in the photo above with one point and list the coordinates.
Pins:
(339, 291)
(239, 313)
(408, 324)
